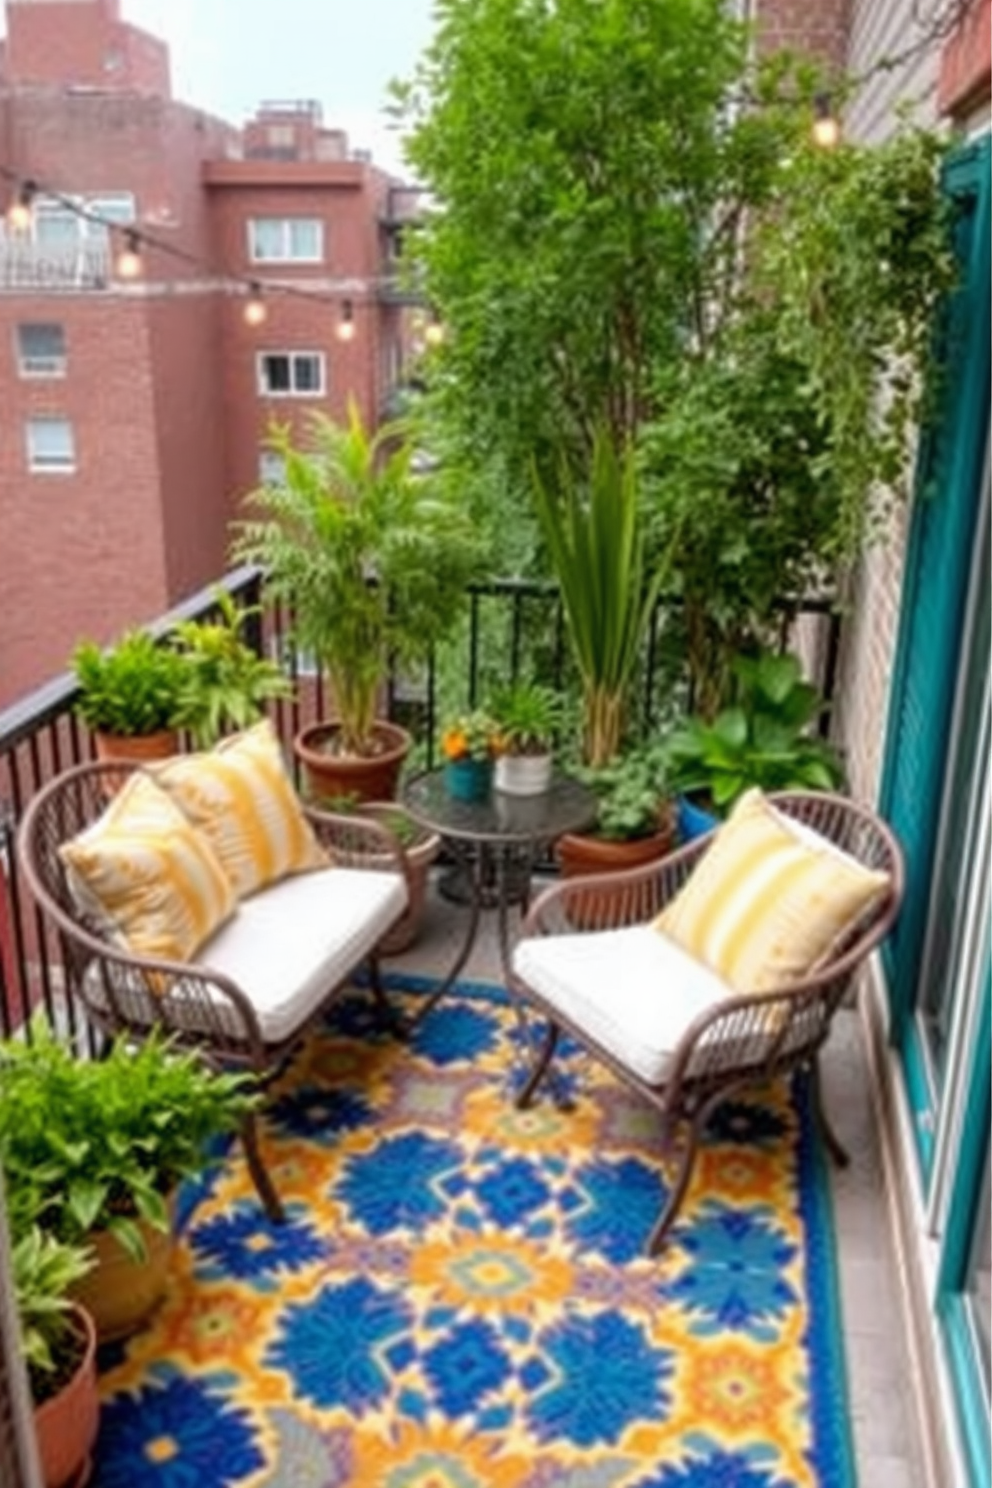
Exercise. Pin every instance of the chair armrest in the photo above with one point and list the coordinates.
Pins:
(190, 1000)
(611, 901)
(359, 841)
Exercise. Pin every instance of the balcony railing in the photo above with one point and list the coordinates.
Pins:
(26, 265)
(510, 627)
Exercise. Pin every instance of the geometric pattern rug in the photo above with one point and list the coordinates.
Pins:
(460, 1299)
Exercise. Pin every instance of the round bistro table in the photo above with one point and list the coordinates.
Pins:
(496, 843)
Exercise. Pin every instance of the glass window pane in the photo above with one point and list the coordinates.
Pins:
(275, 374)
(265, 238)
(41, 348)
(307, 377)
(50, 444)
(56, 227)
(304, 238)
(977, 1288)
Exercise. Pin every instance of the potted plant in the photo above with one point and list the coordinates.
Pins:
(105, 1143)
(131, 696)
(372, 563)
(226, 684)
(470, 743)
(635, 814)
(58, 1339)
(594, 536)
(529, 717)
(763, 738)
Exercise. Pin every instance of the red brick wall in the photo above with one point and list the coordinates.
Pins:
(82, 553)
(82, 42)
(818, 28)
(966, 65)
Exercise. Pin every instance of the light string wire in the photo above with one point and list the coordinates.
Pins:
(27, 188)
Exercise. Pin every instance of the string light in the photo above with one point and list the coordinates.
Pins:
(19, 211)
(826, 126)
(346, 325)
(255, 310)
(434, 331)
(129, 262)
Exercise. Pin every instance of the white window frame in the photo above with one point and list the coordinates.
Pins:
(287, 251)
(29, 365)
(293, 358)
(45, 464)
(108, 206)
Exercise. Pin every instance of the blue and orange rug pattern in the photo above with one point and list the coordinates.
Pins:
(459, 1299)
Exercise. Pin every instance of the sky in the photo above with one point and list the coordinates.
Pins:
(229, 55)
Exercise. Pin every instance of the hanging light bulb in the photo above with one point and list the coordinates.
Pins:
(19, 211)
(346, 325)
(129, 263)
(826, 126)
(255, 309)
(434, 330)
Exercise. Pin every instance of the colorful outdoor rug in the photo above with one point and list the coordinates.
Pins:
(460, 1299)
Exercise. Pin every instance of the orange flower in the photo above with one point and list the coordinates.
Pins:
(454, 743)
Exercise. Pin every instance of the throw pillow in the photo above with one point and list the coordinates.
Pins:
(240, 796)
(766, 904)
(150, 873)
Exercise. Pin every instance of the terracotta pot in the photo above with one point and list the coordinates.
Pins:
(420, 853)
(119, 1292)
(579, 854)
(66, 1425)
(370, 778)
(136, 747)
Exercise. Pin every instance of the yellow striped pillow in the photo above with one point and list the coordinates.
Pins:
(765, 905)
(151, 873)
(241, 797)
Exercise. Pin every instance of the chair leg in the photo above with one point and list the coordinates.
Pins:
(271, 1202)
(678, 1189)
(831, 1141)
(387, 1013)
(540, 1066)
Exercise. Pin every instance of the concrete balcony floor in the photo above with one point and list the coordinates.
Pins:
(878, 1363)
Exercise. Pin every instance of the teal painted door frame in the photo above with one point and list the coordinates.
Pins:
(936, 571)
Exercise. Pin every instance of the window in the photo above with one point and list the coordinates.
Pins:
(41, 350)
(291, 374)
(271, 468)
(51, 445)
(57, 226)
(285, 240)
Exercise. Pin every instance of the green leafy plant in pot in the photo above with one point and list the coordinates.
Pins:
(594, 534)
(58, 1339)
(104, 1144)
(372, 562)
(226, 684)
(529, 717)
(131, 695)
(762, 739)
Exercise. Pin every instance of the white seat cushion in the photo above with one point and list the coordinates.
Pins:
(288, 945)
(633, 990)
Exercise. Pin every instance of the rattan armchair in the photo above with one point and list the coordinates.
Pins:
(200, 1005)
(737, 1041)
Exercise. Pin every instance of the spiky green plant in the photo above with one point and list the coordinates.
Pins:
(594, 536)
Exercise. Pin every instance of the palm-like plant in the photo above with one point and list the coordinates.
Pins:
(372, 563)
(594, 537)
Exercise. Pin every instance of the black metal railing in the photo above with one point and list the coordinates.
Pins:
(511, 628)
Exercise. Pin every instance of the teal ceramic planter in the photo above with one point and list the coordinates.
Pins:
(469, 779)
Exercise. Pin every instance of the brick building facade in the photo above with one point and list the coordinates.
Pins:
(134, 410)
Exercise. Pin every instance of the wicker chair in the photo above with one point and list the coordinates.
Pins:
(199, 1003)
(736, 1041)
